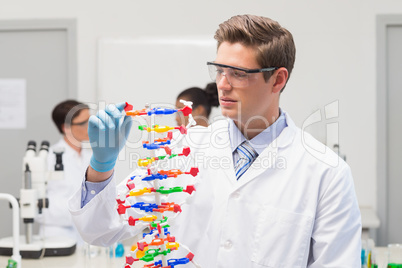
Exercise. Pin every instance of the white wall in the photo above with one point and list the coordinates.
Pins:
(336, 56)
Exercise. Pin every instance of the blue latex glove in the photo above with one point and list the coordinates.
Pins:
(108, 133)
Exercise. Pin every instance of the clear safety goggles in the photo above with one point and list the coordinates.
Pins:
(236, 77)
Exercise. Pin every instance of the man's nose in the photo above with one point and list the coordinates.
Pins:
(224, 83)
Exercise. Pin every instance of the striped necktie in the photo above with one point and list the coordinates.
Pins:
(247, 156)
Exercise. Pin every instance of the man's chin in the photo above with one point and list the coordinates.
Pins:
(229, 114)
(233, 117)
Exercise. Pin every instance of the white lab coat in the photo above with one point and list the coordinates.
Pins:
(290, 208)
(56, 220)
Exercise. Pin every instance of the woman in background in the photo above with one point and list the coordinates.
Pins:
(203, 100)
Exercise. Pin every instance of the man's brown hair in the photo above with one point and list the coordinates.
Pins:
(274, 44)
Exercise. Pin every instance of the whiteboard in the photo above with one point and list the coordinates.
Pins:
(150, 70)
(144, 70)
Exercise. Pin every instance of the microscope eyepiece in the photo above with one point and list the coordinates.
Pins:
(31, 145)
(45, 146)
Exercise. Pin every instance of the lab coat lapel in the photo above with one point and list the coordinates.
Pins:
(225, 152)
(265, 161)
(271, 157)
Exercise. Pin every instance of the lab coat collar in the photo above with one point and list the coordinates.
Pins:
(271, 157)
(70, 151)
(288, 134)
(66, 147)
(266, 160)
(283, 140)
(263, 139)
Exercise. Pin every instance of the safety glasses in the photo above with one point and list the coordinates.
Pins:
(236, 77)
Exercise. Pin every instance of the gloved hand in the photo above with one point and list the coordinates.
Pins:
(108, 133)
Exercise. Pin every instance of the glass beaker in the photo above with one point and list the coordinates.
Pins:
(96, 257)
(394, 255)
(380, 257)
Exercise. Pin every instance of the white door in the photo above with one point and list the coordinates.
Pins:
(43, 54)
(394, 145)
(389, 126)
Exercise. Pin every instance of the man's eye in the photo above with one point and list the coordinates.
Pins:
(239, 74)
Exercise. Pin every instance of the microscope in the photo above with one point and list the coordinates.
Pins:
(33, 200)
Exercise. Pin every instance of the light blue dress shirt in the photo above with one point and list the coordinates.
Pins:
(90, 189)
(259, 142)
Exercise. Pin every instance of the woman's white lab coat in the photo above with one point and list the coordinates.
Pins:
(294, 207)
(56, 221)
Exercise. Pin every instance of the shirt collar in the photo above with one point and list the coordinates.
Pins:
(262, 140)
(70, 151)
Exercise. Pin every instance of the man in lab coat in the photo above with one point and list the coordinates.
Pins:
(71, 119)
(286, 208)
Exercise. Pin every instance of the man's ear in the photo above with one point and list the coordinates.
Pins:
(281, 77)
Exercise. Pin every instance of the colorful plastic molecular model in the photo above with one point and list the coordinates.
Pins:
(156, 245)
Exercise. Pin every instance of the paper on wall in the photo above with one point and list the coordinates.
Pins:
(12, 103)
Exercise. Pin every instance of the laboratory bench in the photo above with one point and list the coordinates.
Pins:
(98, 258)
(101, 260)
